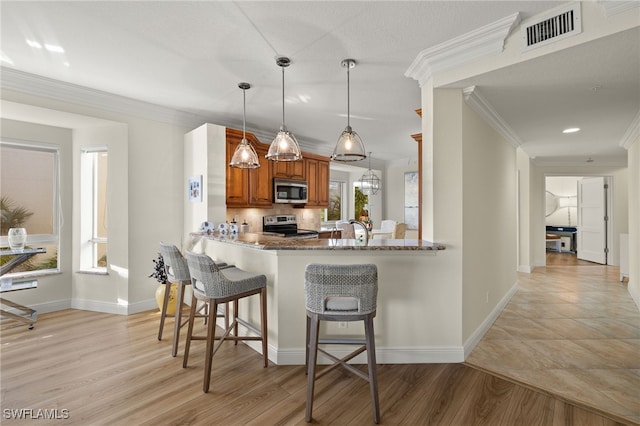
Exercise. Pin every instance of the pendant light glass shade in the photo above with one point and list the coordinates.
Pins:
(369, 182)
(285, 146)
(349, 147)
(244, 157)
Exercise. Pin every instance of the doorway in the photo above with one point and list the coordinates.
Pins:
(577, 219)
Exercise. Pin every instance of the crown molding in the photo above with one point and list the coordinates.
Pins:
(614, 7)
(36, 85)
(462, 49)
(482, 107)
(632, 134)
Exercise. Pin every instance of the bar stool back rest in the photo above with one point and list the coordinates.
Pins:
(341, 293)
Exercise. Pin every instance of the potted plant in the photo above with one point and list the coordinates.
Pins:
(160, 274)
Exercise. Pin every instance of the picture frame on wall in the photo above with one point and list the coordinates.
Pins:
(195, 189)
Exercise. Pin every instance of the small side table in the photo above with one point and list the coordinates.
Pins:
(19, 312)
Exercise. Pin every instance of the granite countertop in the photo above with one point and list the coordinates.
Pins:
(271, 242)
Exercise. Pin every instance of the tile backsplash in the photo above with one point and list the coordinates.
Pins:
(307, 218)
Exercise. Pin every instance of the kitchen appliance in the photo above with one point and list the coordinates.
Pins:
(289, 191)
(285, 225)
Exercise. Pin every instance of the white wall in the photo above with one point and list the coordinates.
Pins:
(205, 155)
(634, 223)
(147, 203)
(473, 183)
(54, 290)
(563, 187)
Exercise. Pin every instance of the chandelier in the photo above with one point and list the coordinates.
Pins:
(369, 182)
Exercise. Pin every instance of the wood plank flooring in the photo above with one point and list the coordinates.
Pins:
(101, 369)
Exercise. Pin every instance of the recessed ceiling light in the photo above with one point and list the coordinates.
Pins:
(4, 58)
(34, 44)
(571, 130)
(54, 48)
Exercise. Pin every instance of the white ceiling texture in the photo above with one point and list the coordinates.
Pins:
(190, 56)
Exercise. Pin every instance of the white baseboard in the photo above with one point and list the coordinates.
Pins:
(53, 306)
(475, 338)
(527, 269)
(113, 308)
(435, 355)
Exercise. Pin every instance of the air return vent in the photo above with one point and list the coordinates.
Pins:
(561, 23)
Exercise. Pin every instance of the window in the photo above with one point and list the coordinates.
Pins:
(336, 208)
(29, 186)
(93, 210)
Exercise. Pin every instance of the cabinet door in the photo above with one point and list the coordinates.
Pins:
(260, 182)
(312, 187)
(288, 169)
(237, 180)
(322, 184)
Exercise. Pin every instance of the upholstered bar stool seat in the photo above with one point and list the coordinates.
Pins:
(341, 293)
(214, 286)
(177, 271)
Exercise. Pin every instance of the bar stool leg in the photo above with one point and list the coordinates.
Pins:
(211, 337)
(263, 326)
(312, 331)
(187, 344)
(178, 323)
(163, 311)
(371, 361)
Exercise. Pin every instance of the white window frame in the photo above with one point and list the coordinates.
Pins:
(343, 206)
(40, 239)
(89, 240)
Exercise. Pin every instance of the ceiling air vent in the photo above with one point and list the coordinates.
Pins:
(549, 28)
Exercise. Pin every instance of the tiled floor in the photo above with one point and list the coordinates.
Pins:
(573, 331)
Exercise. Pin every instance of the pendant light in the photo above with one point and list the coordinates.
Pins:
(369, 182)
(244, 157)
(349, 146)
(285, 146)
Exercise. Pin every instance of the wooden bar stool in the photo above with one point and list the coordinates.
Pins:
(214, 286)
(341, 293)
(177, 271)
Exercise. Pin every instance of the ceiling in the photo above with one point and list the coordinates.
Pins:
(191, 56)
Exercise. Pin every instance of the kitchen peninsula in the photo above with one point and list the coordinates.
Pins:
(416, 309)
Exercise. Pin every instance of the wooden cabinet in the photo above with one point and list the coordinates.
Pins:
(254, 187)
(248, 187)
(260, 182)
(288, 169)
(317, 170)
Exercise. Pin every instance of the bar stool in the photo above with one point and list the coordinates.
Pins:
(341, 293)
(214, 286)
(178, 273)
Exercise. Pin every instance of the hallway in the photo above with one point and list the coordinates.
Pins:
(571, 331)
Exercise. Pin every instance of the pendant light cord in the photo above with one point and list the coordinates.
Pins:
(244, 114)
(348, 99)
(283, 125)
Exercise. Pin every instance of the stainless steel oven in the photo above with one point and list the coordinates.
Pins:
(285, 225)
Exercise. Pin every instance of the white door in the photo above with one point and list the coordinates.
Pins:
(592, 231)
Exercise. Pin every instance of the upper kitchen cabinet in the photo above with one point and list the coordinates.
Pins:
(317, 170)
(248, 187)
(289, 169)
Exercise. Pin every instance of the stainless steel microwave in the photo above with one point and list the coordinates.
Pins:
(289, 191)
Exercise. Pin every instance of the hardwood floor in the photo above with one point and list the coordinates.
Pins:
(573, 331)
(99, 369)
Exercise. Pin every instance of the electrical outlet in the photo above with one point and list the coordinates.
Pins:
(342, 324)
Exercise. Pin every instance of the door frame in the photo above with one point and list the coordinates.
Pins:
(609, 208)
